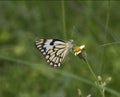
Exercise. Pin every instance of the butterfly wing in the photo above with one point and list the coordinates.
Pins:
(54, 50)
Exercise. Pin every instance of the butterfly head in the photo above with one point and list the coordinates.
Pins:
(71, 40)
(78, 49)
(70, 44)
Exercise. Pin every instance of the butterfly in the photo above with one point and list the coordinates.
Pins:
(54, 50)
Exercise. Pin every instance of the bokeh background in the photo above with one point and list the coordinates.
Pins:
(23, 70)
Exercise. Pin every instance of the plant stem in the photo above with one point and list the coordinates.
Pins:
(101, 89)
(107, 19)
(105, 39)
(63, 18)
(90, 68)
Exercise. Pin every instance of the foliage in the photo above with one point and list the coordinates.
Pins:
(23, 72)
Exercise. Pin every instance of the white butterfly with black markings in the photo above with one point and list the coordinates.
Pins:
(54, 50)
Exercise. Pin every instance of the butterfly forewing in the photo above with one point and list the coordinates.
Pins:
(54, 50)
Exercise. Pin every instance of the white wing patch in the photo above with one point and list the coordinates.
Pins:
(54, 50)
(47, 44)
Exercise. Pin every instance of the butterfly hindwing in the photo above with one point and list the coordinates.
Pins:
(54, 50)
(40, 46)
(55, 55)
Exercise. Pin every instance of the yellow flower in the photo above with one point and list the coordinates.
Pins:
(78, 49)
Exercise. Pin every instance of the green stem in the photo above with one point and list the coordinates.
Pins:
(63, 18)
(101, 89)
(106, 35)
(91, 70)
(105, 39)
(107, 20)
(102, 92)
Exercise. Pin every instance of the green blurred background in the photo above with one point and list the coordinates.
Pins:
(23, 70)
